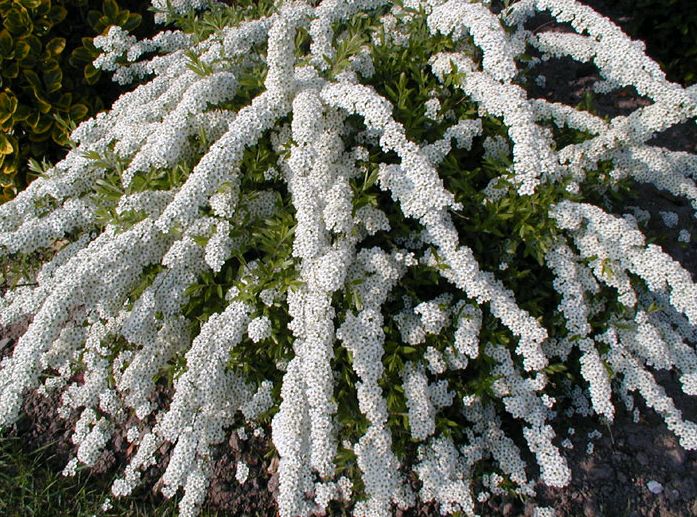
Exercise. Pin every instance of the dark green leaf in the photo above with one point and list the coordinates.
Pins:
(91, 74)
(111, 10)
(6, 42)
(78, 111)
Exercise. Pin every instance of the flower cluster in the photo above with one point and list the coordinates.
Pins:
(371, 240)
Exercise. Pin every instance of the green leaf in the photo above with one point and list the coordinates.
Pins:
(43, 125)
(111, 9)
(57, 13)
(80, 56)
(43, 105)
(33, 118)
(22, 50)
(105, 22)
(33, 79)
(5, 145)
(93, 20)
(64, 102)
(22, 113)
(6, 43)
(55, 46)
(59, 136)
(18, 22)
(30, 4)
(132, 22)
(8, 105)
(121, 18)
(91, 74)
(53, 77)
(10, 70)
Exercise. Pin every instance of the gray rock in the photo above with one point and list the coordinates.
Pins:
(590, 509)
(601, 472)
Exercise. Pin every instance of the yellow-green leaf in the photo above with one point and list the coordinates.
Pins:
(55, 46)
(122, 18)
(22, 50)
(8, 105)
(59, 136)
(78, 111)
(43, 125)
(9, 168)
(91, 74)
(80, 56)
(33, 118)
(18, 22)
(63, 104)
(30, 4)
(41, 103)
(93, 20)
(5, 145)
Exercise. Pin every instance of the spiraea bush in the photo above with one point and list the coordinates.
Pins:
(349, 220)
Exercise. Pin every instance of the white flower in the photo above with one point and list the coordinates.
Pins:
(259, 329)
(241, 472)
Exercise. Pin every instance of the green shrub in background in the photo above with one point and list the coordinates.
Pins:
(47, 81)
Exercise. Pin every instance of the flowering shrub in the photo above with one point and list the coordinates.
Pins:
(351, 221)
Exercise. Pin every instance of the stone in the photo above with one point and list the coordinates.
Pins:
(601, 472)
(642, 458)
(654, 487)
(590, 509)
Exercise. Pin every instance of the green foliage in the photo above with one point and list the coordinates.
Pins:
(218, 16)
(47, 81)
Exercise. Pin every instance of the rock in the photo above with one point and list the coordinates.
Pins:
(639, 441)
(654, 487)
(234, 442)
(687, 489)
(677, 457)
(600, 472)
(589, 509)
(642, 458)
(507, 510)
